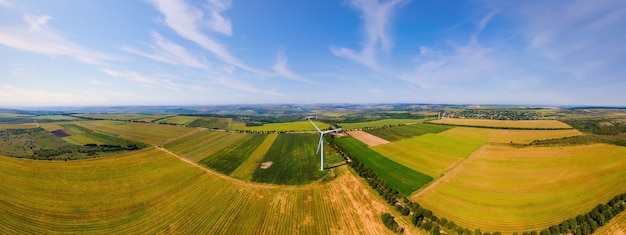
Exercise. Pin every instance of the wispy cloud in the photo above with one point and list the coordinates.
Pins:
(5, 3)
(132, 76)
(376, 18)
(39, 38)
(282, 68)
(11, 95)
(171, 53)
(585, 38)
(187, 21)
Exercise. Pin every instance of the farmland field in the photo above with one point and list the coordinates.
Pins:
(229, 158)
(520, 189)
(502, 136)
(125, 116)
(503, 123)
(151, 192)
(200, 145)
(293, 161)
(247, 168)
(379, 123)
(18, 125)
(398, 176)
(144, 132)
(285, 126)
(179, 120)
(430, 154)
(403, 132)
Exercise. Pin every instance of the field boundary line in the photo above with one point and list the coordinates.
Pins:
(231, 179)
(455, 169)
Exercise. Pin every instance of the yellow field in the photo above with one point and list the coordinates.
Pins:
(144, 132)
(18, 125)
(431, 154)
(520, 189)
(199, 145)
(617, 226)
(502, 136)
(247, 168)
(504, 123)
(181, 120)
(151, 191)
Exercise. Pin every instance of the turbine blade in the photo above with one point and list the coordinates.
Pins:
(320, 144)
(316, 128)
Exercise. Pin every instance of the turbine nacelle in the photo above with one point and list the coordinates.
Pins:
(320, 145)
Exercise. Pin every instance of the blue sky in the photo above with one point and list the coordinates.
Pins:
(182, 52)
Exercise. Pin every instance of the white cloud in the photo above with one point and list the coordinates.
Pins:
(216, 21)
(585, 38)
(12, 95)
(40, 39)
(376, 18)
(171, 53)
(186, 21)
(159, 81)
(5, 3)
(282, 69)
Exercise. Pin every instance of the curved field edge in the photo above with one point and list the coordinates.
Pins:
(200, 145)
(400, 177)
(229, 158)
(528, 188)
(154, 192)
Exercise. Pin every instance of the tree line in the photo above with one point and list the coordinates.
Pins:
(425, 219)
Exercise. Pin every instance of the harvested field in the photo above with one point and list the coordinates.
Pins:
(200, 145)
(151, 191)
(521, 189)
(143, 132)
(430, 154)
(367, 138)
(500, 136)
(617, 226)
(528, 124)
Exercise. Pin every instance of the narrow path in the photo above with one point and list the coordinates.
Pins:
(455, 169)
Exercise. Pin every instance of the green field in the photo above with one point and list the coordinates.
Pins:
(521, 189)
(25, 142)
(379, 123)
(212, 122)
(398, 176)
(403, 132)
(286, 126)
(293, 161)
(229, 158)
(431, 154)
(152, 192)
(203, 144)
(179, 120)
(247, 167)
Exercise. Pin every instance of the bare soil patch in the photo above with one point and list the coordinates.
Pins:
(367, 138)
(60, 133)
(266, 165)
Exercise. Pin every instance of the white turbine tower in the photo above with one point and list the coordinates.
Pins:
(321, 143)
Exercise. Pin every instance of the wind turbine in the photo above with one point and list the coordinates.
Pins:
(321, 143)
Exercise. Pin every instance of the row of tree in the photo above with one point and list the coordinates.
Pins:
(425, 219)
